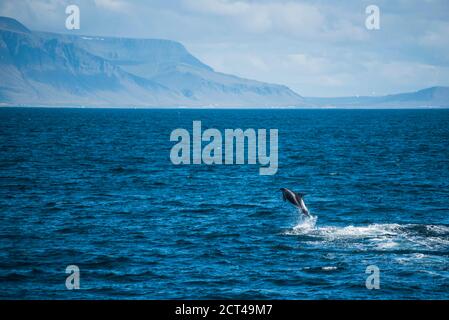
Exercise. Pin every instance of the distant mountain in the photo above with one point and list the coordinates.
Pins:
(39, 68)
(430, 97)
(54, 69)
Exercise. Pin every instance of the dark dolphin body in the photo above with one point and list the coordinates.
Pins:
(295, 199)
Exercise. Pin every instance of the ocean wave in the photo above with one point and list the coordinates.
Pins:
(390, 236)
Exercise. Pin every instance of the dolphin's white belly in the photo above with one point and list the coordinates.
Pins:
(303, 205)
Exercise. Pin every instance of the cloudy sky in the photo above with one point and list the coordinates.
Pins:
(316, 47)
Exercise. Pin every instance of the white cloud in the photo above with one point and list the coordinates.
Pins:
(113, 5)
(292, 19)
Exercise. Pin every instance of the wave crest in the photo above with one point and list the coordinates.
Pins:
(391, 236)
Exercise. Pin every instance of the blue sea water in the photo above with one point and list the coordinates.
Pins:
(96, 188)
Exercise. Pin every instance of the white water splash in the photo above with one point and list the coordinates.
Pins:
(384, 237)
(305, 224)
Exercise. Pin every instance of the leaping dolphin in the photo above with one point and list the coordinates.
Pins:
(296, 199)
